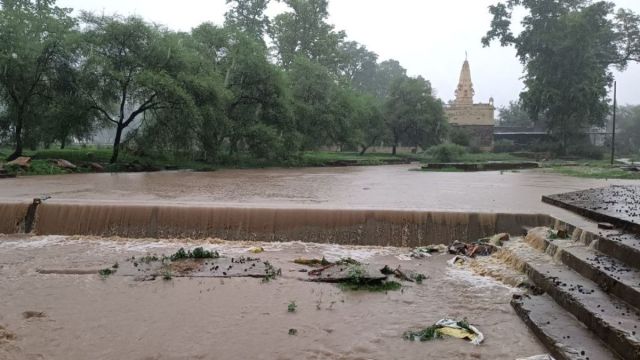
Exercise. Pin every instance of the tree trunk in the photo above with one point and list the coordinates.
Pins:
(18, 136)
(63, 143)
(394, 149)
(116, 144)
(364, 150)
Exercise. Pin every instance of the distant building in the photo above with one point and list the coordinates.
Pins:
(476, 119)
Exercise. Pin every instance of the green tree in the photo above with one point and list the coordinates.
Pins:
(414, 116)
(567, 48)
(32, 36)
(370, 128)
(312, 88)
(513, 115)
(628, 130)
(304, 31)
(357, 65)
(386, 74)
(248, 16)
(260, 101)
(130, 70)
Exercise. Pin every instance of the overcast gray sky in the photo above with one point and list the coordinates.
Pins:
(428, 37)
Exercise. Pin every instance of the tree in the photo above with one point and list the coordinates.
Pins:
(248, 16)
(413, 115)
(628, 130)
(32, 34)
(130, 70)
(513, 115)
(305, 32)
(370, 127)
(357, 65)
(567, 48)
(387, 73)
(312, 89)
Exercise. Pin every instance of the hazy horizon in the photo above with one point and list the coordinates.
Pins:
(430, 45)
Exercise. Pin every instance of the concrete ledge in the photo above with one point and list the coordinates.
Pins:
(564, 336)
(348, 227)
(488, 166)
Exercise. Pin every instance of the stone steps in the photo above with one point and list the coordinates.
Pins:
(564, 336)
(622, 246)
(612, 275)
(611, 319)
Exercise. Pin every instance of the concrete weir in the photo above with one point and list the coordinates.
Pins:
(346, 227)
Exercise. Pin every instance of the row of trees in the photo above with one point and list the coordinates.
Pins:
(267, 87)
(568, 49)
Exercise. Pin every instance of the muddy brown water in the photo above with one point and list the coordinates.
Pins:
(116, 318)
(86, 317)
(382, 187)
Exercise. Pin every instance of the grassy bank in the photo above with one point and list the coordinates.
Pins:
(594, 171)
(42, 164)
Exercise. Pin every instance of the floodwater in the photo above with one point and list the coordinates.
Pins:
(381, 187)
(87, 317)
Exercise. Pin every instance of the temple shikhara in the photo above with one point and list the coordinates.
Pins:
(475, 119)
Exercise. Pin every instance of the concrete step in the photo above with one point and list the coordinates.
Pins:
(612, 320)
(622, 246)
(564, 336)
(612, 275)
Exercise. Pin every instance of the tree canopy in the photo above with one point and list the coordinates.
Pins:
(568, 48)
(255, 86)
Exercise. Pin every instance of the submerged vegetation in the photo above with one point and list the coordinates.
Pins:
(358, 281)
(197, 253)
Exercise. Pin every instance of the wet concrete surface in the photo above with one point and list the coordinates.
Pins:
(383, 187)
(619, 205)
(88, 317)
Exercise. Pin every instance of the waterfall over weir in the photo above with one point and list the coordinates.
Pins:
(353, 227)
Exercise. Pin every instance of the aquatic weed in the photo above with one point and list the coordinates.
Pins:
(292, 307)
(197, 253)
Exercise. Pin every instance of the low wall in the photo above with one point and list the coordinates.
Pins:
(347, 227)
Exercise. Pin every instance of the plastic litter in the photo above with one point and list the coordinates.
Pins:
(447, 327)
(256, 250)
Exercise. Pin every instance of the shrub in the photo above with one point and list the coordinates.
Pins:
(586, 150)
(474, 149)
(504, 146)
(459, 136)
(447, 152)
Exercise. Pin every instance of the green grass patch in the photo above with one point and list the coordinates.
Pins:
(595, 171)
(38, 167)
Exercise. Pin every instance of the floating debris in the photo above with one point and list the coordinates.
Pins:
(427, 251)
(447, 327)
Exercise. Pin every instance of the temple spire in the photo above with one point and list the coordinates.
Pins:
(465, 92)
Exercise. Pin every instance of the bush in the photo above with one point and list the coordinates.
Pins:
(504, 146)
(474, 149)
(544, 146)
(447, 152)
(586, 150)
(459, 136)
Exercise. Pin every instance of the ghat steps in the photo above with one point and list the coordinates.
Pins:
(578, 288)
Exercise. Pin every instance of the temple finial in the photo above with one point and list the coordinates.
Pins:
(466, 56)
